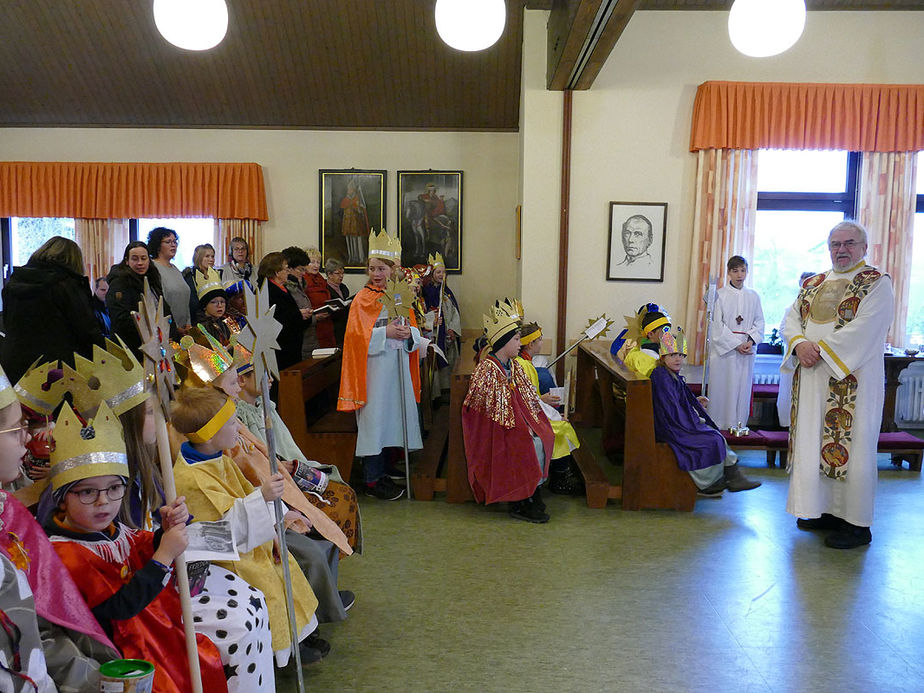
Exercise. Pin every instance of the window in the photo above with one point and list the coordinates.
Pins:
(191, 232)
(27, 234)
(915, 324)
(801, 195)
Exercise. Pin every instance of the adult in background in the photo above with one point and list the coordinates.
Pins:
(126, 287)
(318, 294)
(100, 289)
(836, 330)
(337, 289)
(203, 260)
(297, 263)
(48, 310)
(162, 246)
(239, 268)
(274, 270)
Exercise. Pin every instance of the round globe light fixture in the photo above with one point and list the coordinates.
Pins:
(761, 28)
(195, 25)
(470, 25)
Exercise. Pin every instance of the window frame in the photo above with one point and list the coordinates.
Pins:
(845, 201)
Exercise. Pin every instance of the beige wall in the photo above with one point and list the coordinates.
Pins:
(291, 159)
(631, 133)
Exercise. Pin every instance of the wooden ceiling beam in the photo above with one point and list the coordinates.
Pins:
(581, 35)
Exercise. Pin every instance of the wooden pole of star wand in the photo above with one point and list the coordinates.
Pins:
(281, 530)
(407, 464)
(182, 579)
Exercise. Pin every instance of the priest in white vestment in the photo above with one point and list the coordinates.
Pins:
(737, 329)
(836, 330)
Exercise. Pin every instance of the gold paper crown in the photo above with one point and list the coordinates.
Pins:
(7, 393)
(82, 452)
(511, 308)
(33, 389)
(243, 357)
(202, 364)
(435, 261)
(116, 374)
(208, 282)
(502, 320)
(384, 247)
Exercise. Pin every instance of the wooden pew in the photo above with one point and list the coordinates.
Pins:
(308, 405)
(611, 396)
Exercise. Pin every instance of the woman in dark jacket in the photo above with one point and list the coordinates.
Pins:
(274, 270)
(47, 310)
(126, 285)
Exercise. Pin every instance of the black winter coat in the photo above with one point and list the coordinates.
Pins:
(47, 313)
(293, 326)
(125, 289)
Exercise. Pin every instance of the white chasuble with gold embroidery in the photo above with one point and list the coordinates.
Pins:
(837, 403)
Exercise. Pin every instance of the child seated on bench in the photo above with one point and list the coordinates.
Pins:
(681, 421)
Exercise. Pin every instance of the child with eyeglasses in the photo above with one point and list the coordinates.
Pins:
(124, 574)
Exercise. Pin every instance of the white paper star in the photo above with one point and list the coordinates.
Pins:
(154, 328)
(260, 333)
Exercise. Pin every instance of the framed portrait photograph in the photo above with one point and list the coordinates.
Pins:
(352, 201)
(635, 249)
(430, 217)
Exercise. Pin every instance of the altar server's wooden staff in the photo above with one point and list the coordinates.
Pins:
(709, 299)
(154, 328)
(398, 300)
(259, 336)
(594, 329)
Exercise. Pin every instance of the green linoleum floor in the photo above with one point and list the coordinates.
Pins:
(731, 597)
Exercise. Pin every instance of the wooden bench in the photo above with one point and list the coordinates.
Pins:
(613, 397)
(308, 394)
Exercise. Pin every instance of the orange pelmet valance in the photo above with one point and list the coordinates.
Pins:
(772, 115)
(123, 190)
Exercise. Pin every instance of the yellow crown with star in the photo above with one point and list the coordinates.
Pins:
(200, 364)
(501, 321)
(36, 392)
(113, 376)
(85, 451)
(435, 261)
(208, 283)
(384, 247)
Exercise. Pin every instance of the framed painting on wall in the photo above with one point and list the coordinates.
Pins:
(635, 249)
(352, 201)
(430, 217)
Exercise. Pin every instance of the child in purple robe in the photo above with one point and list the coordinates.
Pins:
(681, 421)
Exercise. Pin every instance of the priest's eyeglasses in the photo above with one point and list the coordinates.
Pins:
(88, 496)
(846, 245)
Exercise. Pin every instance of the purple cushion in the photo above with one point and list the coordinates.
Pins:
(900, 440)
(775, 439)
(695, 388)
(754, 438)
(765, 390)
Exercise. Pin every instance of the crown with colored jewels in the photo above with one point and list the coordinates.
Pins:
(673, 342)
(504, 318)
(83, 452)
(202, 364)
(114, 376)
(435, 261)
(36, 392)
(384, 247)
(208, 283)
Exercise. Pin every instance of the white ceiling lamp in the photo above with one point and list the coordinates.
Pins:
(195, 25)
(761, 28)
(470, 25)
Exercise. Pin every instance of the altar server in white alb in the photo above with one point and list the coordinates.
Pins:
(737, 329)
(838, 326)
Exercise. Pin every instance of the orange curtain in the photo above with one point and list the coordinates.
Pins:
(771, 115)
(102, 242)
(123, 190)
(887, 203)
(248, 229)
(723, 225)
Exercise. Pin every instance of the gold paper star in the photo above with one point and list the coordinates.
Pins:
(154, 328)
(260, 333)
(598, 331)
(398, 298)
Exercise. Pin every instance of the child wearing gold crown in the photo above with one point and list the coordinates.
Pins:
(508, 439)
(123, 574)
(439, 298)
(369, 381)
(681, 421)
(40, 606)
(213, 301)
(216, 488)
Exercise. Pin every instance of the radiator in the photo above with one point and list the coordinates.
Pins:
(910, 396)
(766, 378)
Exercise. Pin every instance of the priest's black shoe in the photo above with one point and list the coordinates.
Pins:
(825, 522)
(849, 537)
